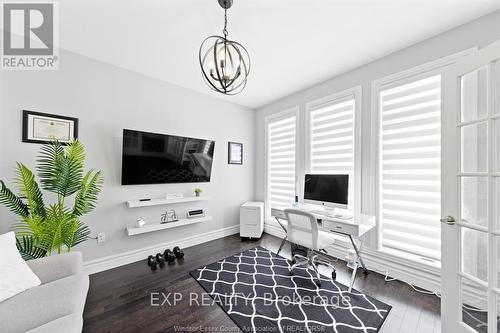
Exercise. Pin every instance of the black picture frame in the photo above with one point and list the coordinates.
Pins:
(234, 159)
(29, 137)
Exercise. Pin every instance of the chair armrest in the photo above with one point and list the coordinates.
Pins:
(57, 266)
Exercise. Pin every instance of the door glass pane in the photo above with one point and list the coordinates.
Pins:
(497, 206)
(475, 148)
(474, 95)
(474, 306)
(497, 142)
(497, 86)
(498, 313)
(475, 253)
(475, 200)
(498, 263)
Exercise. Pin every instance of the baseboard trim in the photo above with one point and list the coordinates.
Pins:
(109, 262)
(417, 275)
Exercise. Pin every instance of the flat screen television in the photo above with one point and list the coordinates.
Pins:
(151, 158)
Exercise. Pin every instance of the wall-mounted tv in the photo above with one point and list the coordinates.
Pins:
(150, 158)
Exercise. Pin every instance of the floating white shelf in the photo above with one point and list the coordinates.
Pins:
(159, 202)
(131, 231)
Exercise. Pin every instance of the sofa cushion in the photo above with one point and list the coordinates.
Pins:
(56, 267)
(15, 275)
(41, 305)
(66, 324)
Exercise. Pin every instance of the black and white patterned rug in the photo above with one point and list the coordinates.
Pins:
(255, 289)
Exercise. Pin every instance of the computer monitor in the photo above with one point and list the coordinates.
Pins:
(326, 190)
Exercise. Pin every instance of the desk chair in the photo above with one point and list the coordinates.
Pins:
(303, 230)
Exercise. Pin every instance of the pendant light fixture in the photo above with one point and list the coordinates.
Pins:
(225, 64)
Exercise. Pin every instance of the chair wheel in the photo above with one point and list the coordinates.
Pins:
(334, 275)
(290, 272)
(293, 261)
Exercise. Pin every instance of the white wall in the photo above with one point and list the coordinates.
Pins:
(478, 33)
(107, 99)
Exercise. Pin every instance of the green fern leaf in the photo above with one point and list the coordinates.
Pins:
(82, 234)
(12, 201)
(27, 246)
(86, 197)
(61, 169)
(27, 185)
(49, 166)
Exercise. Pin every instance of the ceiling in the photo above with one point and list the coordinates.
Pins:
(293, 44)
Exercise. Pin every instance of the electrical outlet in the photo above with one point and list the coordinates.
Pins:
(101, 237)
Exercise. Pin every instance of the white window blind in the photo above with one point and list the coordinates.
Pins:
(331, 138)
(281, 161)
(409, 170)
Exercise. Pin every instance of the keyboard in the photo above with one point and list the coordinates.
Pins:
(343, 217)
(337, 216)
(319, 212)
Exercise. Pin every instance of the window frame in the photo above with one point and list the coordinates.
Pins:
(355, 92)
(293, 111)
(429, 69)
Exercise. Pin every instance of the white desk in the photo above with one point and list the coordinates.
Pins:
(355, 227)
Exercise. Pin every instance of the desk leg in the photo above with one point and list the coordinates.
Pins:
(284, 239)
(358, 254)
(353, 276)
(358, 257)
(281, 245)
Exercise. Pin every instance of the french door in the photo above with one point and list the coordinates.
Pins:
(470, 231)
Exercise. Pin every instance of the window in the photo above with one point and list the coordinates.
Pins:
(281, 144)
(331, 137)
(409, 197)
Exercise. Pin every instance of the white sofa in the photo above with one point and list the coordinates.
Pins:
(54, 306)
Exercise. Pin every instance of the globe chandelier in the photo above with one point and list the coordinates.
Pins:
(225, 64)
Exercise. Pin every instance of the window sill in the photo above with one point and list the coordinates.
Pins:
(411, 258)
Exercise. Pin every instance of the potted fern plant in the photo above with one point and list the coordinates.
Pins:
(43, 229)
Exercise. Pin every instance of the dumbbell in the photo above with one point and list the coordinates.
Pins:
(152, 263)
(153, 266)
(178, 252)
(151, 260)
(169, 255)
(160, 259)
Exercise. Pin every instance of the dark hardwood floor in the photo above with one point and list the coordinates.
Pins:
(119, 300)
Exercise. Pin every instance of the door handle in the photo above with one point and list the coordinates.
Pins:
(448, 220)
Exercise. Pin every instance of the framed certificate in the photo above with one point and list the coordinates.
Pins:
(43, 127)
(235, 153)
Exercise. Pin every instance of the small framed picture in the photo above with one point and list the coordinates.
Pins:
(43, 127)
(234, 153)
